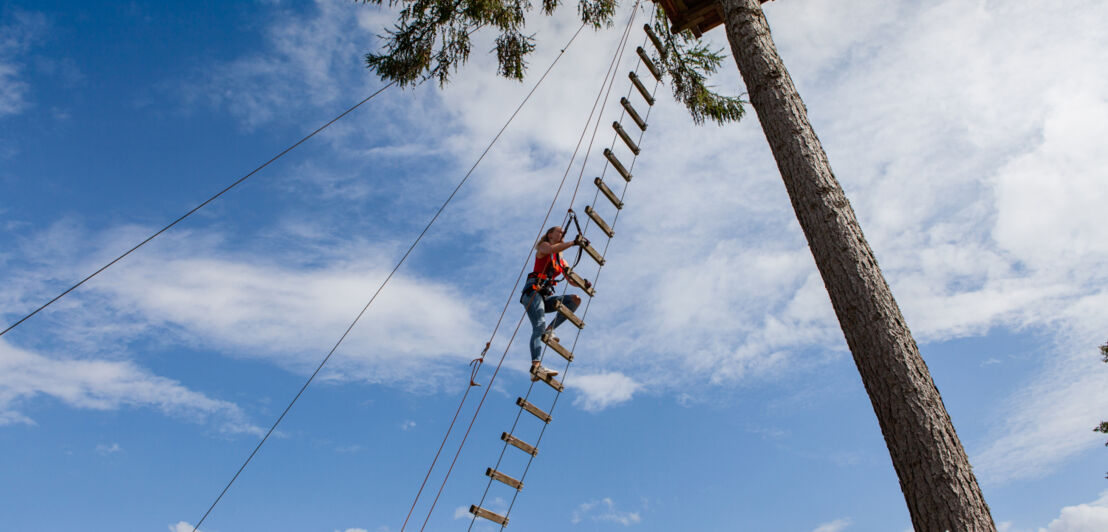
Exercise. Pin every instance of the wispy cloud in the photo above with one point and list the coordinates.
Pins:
(182, 526)
(604, 511)
(104, 385)
(834, 526)
(318, 53)
(602, 390)
(964, 140)
(18, 33)
(1087, 517)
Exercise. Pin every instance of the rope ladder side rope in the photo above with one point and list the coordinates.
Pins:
(519, 413)
(523, 270)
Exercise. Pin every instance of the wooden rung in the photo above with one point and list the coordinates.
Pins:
(617, 165)
(634, 115)
(519, 444)
(534, 410)
(654, 39)
(649, 64)
(642, 88)
(589, 249)
(582, 283)
(599, 221)
(564, 311)
(496, 475)
(553, 344)
(608, 193)
(626, 138)
(491, 516)
(547, 378)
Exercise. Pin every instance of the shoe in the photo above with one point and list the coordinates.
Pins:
(541, 372)
(549, 335)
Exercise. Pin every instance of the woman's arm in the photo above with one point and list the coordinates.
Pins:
(546, 248)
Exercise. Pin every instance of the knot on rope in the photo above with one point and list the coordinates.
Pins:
(475, 365)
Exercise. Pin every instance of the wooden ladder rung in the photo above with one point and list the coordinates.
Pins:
(654, 39)
(491, 516)
(632, 113)
(608, 193)
(617, 165)
(519, 444)
(569, 315)
(549, 340)
(496, 475)
(626, 138)
(547, 378)
(589, 249)
(534, 410)
(581, 282)
(649, 64)
(642, 88)
(599, 221)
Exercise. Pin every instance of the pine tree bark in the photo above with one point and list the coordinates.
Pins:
(935, 475)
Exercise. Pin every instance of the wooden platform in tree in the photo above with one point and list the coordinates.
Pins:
(697, 16)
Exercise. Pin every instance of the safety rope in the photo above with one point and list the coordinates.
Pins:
(477, 363)
(198, 207)
(572, 347)
(550, 209)
(584, 314)
(615, 61)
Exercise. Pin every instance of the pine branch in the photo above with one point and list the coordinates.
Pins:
(431, 39)
(689, 63)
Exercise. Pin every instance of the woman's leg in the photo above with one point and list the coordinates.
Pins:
(571, 302)
(533, 302)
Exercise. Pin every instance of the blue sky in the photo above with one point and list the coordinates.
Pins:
(712, 388)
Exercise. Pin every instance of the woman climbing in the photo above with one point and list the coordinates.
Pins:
(538, 295)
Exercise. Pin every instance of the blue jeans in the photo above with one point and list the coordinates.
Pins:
(536, 310)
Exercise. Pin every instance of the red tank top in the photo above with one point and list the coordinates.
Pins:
(550, 266)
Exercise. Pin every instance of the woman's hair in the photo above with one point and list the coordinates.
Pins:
(546, 236)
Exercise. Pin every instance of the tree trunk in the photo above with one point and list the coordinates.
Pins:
(938, 483)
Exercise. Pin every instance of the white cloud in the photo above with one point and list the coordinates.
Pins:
(408, 424)
(833, 526)
(104, 385)
(182, 526)
(963, 140)
(104, 448)
(317, 53)
(1088, 517)
(191, 292)
(601, 390)
(16, 38)
(1051, 419)
(604, 511)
